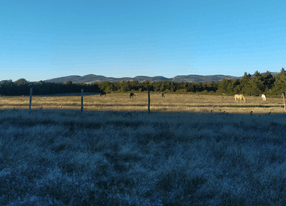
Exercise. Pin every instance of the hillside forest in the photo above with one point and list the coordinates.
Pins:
(252, 85)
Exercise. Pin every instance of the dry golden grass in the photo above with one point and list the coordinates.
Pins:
(169, 103)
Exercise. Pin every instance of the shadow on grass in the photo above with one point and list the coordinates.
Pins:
(63, 157)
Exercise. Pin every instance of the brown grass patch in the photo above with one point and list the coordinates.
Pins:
(171, 102)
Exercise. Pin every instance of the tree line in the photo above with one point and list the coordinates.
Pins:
(247, 85)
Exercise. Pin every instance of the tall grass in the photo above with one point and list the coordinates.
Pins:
(53, 157)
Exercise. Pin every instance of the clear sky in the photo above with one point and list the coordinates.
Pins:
(44, 39)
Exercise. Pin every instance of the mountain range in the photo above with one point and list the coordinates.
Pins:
(92, 78)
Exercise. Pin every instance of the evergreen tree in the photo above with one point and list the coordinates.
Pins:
(125, 86)
(157, 86)
(256, 84)
(146, 85)
(212, 86)
(21, 82)
(117, 86)
(173, 86)
(69, 82)
(164, 86)
(245, 84)
(279, 86)
(223, 86)
(7, 87)
(191, 87)
(135, 85)
(268, 82)
(234, 87)
(199, 87)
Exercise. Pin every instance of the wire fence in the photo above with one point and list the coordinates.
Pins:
(172, 105)
(82, 94)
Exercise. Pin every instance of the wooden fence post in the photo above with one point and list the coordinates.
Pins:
(148, 101)
(31, 93)
(81, 100)
(283, 101)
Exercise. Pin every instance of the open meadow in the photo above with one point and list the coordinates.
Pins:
(169, 103)
(63, 157)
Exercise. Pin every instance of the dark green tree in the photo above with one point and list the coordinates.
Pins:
(21, 82)
(69, 82)
(212, 86)
(223, 86)
(234, 87)
(7, 87)
(256, 84)
(191, 87)
(245, 84)
(268, 82)
(157, 86)
(165, 85)
(279, 86)
(135, 85)
(106, 87)
(125, 86)
(199, 87)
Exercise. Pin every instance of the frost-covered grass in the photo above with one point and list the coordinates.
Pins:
(132, 158)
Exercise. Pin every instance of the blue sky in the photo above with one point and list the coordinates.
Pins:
(41, 40)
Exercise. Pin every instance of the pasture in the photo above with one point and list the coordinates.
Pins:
(58, 157)
(169, 103)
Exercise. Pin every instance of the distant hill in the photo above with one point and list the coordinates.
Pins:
(92, 78)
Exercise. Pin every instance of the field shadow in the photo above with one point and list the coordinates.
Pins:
(51, 95)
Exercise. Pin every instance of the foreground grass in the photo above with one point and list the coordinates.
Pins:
(132, 158)
(171, 102)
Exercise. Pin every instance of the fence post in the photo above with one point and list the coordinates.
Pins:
(148, 101)
(31, 93)
(81, 100)
(283, 101)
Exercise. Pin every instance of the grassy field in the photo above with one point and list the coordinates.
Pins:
(62, 157)
(56, 157)
(171, 102)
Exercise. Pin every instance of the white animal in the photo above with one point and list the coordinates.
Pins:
(263, 97)
(239, 96)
